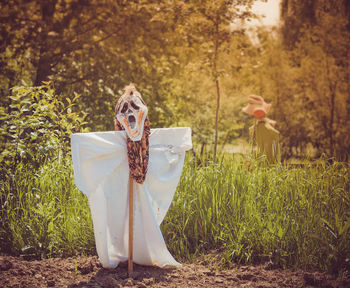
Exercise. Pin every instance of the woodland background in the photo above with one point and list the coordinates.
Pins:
(64, 63)
(183, 56)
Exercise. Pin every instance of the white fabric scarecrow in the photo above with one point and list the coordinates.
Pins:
(101, 172)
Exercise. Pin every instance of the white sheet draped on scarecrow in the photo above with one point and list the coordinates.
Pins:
(101, 172)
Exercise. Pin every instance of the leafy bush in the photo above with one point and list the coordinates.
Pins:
(36, 126)
(41, 209)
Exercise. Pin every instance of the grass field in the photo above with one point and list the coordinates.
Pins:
(243, 210)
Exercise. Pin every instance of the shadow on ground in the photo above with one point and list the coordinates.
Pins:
(142, 276)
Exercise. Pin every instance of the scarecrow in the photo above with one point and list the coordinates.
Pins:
(263, 133)
(130, 176)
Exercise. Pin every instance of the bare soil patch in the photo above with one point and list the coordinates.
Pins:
(79, 272)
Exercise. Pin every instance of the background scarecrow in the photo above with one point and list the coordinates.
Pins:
(263, 133)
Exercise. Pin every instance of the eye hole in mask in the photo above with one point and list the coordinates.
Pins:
(125, 107)
(133, 105)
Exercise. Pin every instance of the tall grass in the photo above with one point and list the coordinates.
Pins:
(43, 214)
(249, 212)
(297, 217)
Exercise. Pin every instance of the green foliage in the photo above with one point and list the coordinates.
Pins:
(251, 212)
(316, 36)
(37, 192)
(42, 213)
(298, 14)
(246, 211)
(206, 25)
(36, 127)
(91, 47)
(188, 59)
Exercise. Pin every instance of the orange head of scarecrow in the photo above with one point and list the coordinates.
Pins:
(132, 112)
(256, 107)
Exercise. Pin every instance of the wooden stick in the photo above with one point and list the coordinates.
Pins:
(131, 223)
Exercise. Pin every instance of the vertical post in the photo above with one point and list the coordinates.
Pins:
(131, 223)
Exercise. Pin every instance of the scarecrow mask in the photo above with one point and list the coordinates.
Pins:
(131, 114)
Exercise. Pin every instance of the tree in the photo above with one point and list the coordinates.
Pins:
(206, 27)
(92, 47)
(298, 14)
(321, 58)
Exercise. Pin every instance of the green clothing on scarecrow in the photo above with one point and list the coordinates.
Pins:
(266, 139)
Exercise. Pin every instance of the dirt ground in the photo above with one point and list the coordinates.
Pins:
(79, 272)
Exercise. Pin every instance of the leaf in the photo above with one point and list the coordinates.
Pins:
(344, 228)
(329, 227)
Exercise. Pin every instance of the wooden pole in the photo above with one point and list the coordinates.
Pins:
(131, 223)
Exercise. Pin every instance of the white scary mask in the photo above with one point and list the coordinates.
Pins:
(132, 114)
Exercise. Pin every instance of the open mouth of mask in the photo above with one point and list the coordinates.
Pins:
(132, 121)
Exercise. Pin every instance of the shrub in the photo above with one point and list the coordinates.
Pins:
(36, 126)
(41, 210)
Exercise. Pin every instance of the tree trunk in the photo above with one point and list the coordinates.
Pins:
(43, 69)
(217, 116)
(216, 77)
(331, 121)
(332, 88)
